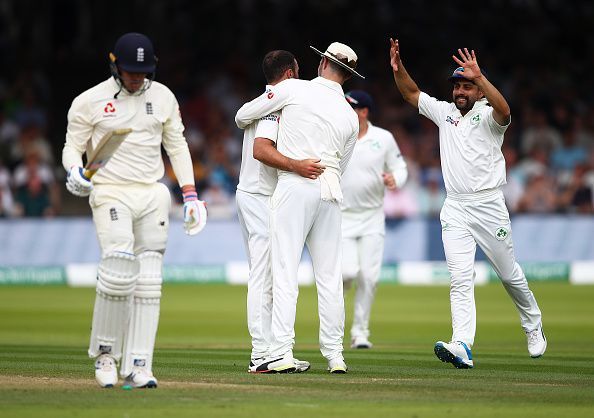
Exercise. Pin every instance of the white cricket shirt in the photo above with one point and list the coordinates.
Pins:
(317, 121)
(469, 146)
(362, 183)
(254, 176)
(154, 119)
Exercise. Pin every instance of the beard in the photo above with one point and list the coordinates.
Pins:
(464, 103)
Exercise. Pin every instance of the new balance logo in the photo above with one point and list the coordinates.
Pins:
(140, 54)
(452, 121)
(105, 349)
(149, 108)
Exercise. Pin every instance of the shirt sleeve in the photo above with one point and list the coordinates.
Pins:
(432, 108)
(176, 146)
(272, 100)
(394, 162)
(78, 134)
(348, 150)
(495, 127)
(268, 127)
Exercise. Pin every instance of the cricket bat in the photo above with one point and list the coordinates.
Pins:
(104, 150)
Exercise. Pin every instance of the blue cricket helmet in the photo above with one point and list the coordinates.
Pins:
(134, 52)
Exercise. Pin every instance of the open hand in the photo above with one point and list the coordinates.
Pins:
(394, 54)
(309, 168)
(469, 63)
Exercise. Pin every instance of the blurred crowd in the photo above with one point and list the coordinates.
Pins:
(549, 147)
(549, 152)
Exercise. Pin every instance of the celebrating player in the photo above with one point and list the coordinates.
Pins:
(471, 131)
(317, 123)
(376, 163)
(257, 181)
(130, 208)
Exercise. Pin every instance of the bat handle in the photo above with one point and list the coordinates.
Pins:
(89, 173)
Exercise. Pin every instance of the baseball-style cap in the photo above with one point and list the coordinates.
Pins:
(359, 99)
(342, 55)
(133, 52)
(457, 75)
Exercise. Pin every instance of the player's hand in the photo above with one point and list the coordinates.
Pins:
(194, 216)
(389, 181)
(77, 183)
(394, 54)
(469, 63)
(309, 168)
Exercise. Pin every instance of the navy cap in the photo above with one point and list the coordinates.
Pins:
(456, 76)
(359, 99)
(134, 53)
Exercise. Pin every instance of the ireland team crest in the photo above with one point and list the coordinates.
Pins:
(501, 233)
(375, 145)
(475, 119)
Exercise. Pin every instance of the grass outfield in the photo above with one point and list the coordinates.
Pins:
(203, 350)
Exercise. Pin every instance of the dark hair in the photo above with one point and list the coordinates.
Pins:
(343, 72)
(275, 63)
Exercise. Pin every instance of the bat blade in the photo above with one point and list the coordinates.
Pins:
(105, 149)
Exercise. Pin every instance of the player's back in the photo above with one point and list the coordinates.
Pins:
(317, 123)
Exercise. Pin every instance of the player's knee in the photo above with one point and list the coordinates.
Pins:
(117, 274)
(150, 277)
(350, 272)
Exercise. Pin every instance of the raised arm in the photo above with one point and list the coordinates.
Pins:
(467, 60)
(406, 85)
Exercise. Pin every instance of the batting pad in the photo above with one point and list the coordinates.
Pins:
(144, 319)
(116, 276)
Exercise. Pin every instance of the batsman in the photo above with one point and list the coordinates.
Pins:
(471, 130)
(130, 207)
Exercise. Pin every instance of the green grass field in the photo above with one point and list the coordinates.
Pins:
(203, 350)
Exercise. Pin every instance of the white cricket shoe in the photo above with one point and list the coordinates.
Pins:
(537, 342)
(300, 366)
(361, 343)
(140, 378)
(455, 352)
(106, 372)
(337, 366)
(284, 364)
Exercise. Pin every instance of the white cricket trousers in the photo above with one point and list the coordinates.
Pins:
(482, 218)
(300, 216)
(361, 262)
(131, 218)
(253, 210)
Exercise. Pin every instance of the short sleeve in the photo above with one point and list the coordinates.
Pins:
(433, 109)
(268, 127)
(495, 127)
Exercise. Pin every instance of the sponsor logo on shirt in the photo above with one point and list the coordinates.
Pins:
(149, 108)
(271, 117)
(270, 95)
(109, 110)
(452, 121)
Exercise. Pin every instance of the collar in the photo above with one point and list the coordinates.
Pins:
(330, 84)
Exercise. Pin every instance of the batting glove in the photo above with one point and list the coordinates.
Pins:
(77, 183)
(194, 213)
